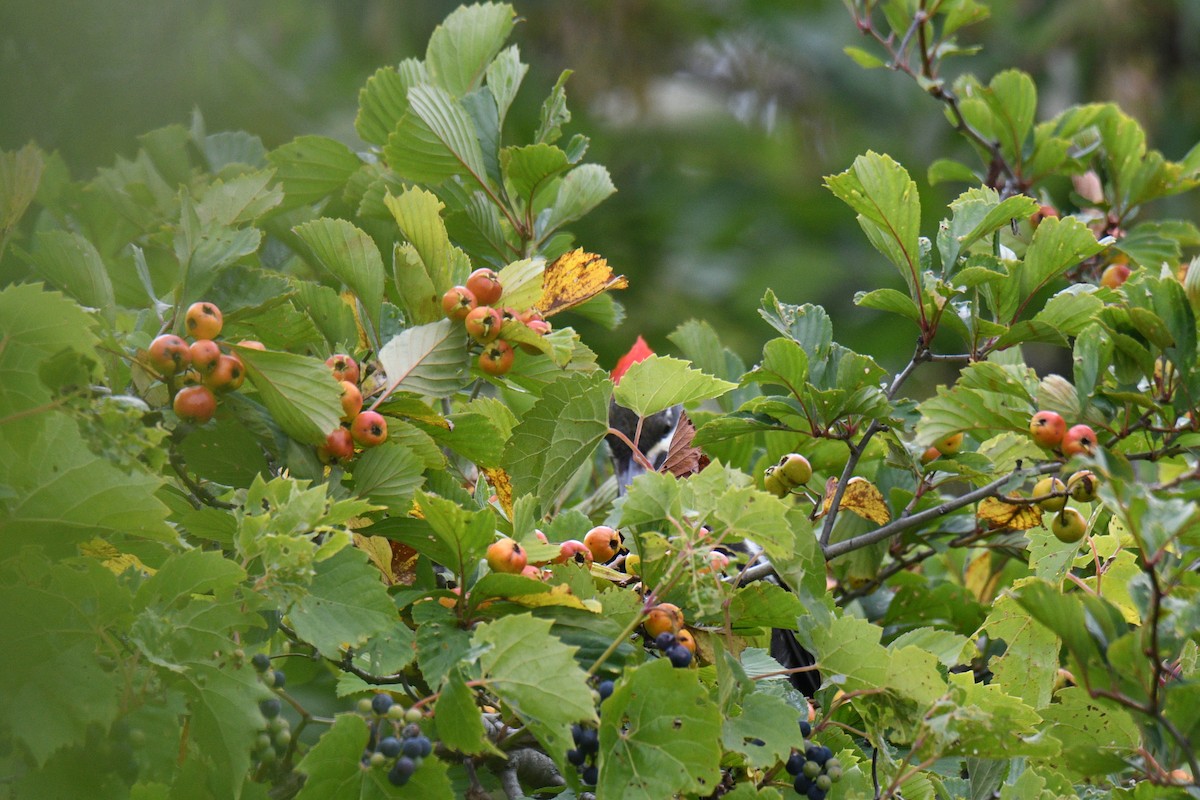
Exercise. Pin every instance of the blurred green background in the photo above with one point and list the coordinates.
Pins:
(717, 118)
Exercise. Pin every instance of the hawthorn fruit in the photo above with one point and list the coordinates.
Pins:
(344, 367)
(369, 428)
(457, 302)
(484, 283)
(507, 556)
(203, 321)
(228, 375)
(1047, 429)
(1069, 526)
(1047, 486)
(497, 358)
(195, 404)
(1082, 485)
(663, 618)
(1079, 439)
(574, 550)
(169, 354)
(352, 400)
(338, 447)
(205, 355)
(949, 445)
(483, 324)
(604, 542)
(794, 469)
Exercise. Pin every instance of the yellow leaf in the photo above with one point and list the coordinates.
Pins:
(559, 596)
(574, 278)
(502, 485)
(998, 514)
(112, 558)
(861, 497)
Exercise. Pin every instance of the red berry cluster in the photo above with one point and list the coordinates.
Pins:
(474, 306)
(198, 372)
(362, 428)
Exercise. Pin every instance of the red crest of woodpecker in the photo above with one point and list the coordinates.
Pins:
(654, 438)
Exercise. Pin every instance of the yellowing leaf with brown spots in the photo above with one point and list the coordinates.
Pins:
(995, 513)
(574, 278)
(502, 486)
(559, 596)
(397, 562)
(862, 498)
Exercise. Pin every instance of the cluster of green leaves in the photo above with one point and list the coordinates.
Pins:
(146, 561)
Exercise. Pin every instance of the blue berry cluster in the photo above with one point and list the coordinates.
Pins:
(815, 770)
(403, 750)
(275, 739)
(583, 754)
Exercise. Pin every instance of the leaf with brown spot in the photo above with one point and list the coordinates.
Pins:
(861, 497)
(574, 278)
(502, 485)
(995, 513)
(683, 459)
(397, 562)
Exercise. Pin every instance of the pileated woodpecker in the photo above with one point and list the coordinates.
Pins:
(653, 442)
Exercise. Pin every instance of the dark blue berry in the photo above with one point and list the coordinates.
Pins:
(590, 775)
(815, 794)
(411, 731)
(576, 757)
(426, 746)
(280, 680)
(391, 747)
(590, 741)
(380, 703)
(577, 733)
(605, 688)
(261, 662)
(401, 771)
(270, 708)
(680, 656)
(805, 728)
(795, 763)
(823, 755)
(803, 784)
(811, 752)
(665, 640)
(412, 747)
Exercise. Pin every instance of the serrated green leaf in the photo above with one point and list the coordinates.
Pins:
(980, 413)
(659, 382)
(389, 475)
(441, 644)
(945, 170)
(455, 538)
(764, 719)
(224, 719)
(885, 198)
(1029, 665)
(464, 44)
(863, 58)
(241, 199)
(384, 99)
(20, 174)
(418, 213)
(889, 300)
(531, 168)
(459, 720)
(554, 113)
(582, 189)
(71, 263)
(429, 359)
(296, 390)
(504, 76)
(558, 434)
(659, 736)
(345, 604)
(435, 140)
(1057, 245)
(350, 255)
(311, 168)
(1097, 738)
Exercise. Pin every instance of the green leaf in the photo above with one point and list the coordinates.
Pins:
(225, 452)
(20, 175)
(535, 675)
(889, 210)
(71, 263)
(580, 190)
(554, 112)
(1058, 244)
(345, 604)
(455, 538)
(240, 200)
(224, 719)
(659, 736)
(1012, 98)
(1096, 738)
(759, 516)
(389, 475)
(863, 58)
(441, 644)
(383, 101)
(329, 312)
(889, 300)
(459, 720)
(945, 170)
(558, 434)
(504, 76)
(349, 255)
(435, 140)
(429, 359)
(962, 409)
(659, 382)
(766, 719)
(54, 615)
(334, 769)
(1029, 665)
(531, 168)
(418, 213)
(297, 391)
(312, 168)
(464, 44)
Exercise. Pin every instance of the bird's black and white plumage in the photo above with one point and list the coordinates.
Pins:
(654, 443)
